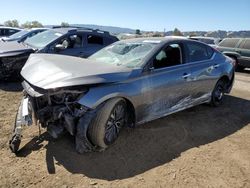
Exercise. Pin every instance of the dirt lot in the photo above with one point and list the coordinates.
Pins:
(199, 147)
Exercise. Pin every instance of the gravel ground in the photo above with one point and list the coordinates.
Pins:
(198, 147)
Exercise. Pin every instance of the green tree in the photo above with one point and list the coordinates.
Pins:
(157, 34)
(138, 31)
(65, 24)
(32, 24)
(177, 32)
(11, 23)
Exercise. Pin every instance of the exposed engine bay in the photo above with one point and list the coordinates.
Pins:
(57, 110)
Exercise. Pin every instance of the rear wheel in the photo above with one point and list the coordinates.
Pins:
(218, 93)
(106, 126)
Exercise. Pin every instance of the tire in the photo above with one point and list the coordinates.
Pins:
(218, 93)
(106, 126)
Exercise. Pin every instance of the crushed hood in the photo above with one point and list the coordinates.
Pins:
(49, 71)
(13, 48)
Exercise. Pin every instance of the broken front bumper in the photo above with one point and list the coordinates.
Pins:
(27, 116)
(24, 117)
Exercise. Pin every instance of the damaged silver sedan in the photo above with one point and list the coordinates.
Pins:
(125, 84)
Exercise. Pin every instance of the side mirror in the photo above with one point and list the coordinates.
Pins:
(59, 47)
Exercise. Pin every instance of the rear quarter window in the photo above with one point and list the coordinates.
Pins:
(109, 40)
(230, 43)
(198, 52)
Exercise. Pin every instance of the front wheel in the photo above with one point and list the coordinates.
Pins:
(106, 126)
(218, 93)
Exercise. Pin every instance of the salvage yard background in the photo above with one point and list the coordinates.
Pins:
(199, 147)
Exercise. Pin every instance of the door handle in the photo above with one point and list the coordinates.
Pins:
(186, 75)
(216, 66)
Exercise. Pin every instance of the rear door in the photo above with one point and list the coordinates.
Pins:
(244, 51)
(204, 69)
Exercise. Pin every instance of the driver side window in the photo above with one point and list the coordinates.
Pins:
(168, 56)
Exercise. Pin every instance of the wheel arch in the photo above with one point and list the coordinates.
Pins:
(93, 103)
(228, 81)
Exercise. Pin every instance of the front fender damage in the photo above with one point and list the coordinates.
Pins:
(82, 142)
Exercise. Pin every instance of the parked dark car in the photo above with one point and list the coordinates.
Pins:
(208, 40)
(127, 83)
(67, 41)
(238, 49)
(7, 31)
(23, 35)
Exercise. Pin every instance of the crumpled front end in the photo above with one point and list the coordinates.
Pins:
(56, 110)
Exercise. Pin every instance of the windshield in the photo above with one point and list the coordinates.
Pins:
(41, 40)
(18, 34)
(129, 54)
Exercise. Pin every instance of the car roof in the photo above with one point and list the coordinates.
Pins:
(65, 30)
(38, 28)
(5, 27)
(238, 38)
(202, 37)
(157, 39)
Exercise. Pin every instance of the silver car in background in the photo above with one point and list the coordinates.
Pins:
(125, 84)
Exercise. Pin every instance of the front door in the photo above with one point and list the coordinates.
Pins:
(166, 88)
(70, 45)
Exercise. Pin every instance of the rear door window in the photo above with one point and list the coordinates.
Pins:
(12, 31)
(198, 52)
(230, 43)
(108, 40)
(94, 39)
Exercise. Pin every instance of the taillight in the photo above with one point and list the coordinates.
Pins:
(231, 61)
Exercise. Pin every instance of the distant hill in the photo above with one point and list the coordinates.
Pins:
(121, 30)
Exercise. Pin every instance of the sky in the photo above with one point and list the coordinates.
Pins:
(147, 15)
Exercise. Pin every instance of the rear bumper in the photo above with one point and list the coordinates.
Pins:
(230, 84)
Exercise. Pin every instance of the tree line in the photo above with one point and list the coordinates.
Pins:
(28, 24)
(33, 24)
